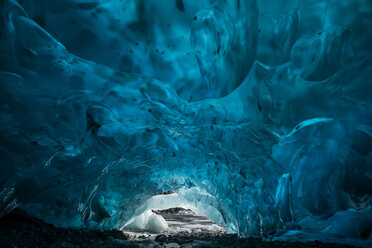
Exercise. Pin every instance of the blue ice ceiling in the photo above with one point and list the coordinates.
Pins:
(260, 111)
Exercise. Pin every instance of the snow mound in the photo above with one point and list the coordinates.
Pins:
(148, 221)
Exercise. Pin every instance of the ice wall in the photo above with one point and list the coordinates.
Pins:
(258, 110)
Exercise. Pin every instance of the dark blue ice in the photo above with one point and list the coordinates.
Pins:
(259, 112)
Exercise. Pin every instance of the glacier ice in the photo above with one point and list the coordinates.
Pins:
(256, 113)
(283, 199)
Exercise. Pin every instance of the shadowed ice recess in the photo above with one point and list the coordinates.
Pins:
(258, 114)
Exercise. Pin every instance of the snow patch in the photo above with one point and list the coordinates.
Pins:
(148, 221)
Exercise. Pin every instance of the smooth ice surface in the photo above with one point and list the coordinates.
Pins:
(256, 112)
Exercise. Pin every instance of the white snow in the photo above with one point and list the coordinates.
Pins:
(147, 221)
(156, 223)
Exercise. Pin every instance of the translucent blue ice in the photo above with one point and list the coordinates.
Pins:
(257, 112)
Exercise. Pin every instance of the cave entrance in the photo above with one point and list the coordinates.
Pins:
(171, 213)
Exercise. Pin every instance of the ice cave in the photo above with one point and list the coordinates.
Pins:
(256, 114)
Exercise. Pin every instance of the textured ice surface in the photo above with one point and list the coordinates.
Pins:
(258, 112)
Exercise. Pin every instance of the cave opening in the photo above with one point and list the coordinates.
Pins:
(169, 212)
